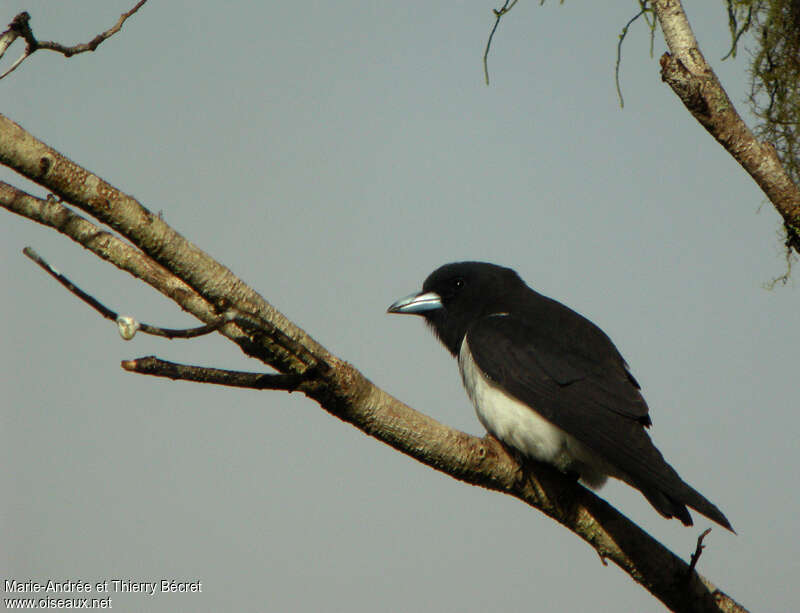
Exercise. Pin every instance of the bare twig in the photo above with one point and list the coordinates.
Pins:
(698, 550)
(498, 13)
(152, 365)
(127, 325)
(622, 36)
(736, 31)
(54, 214)
(20, 28)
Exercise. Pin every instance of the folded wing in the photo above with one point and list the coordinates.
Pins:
(595, 400)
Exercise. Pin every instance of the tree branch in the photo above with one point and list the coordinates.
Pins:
(686, 71)
(105, 245)
(152, 365)
(20, 28)
(262, 332)
(127, 325)
(698, 551)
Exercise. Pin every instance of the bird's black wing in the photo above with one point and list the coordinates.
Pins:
(587, 364)
(593, 400)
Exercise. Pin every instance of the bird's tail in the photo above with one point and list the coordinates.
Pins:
(681, 495)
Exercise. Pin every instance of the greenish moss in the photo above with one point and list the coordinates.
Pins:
(773, 29)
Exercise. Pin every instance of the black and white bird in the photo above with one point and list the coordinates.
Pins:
(549, 383)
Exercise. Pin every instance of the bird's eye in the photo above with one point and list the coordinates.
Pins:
(458, 283)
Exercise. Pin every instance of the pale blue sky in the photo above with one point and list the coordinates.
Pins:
(332, 155)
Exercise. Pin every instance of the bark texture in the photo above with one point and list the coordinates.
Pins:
(693, 80)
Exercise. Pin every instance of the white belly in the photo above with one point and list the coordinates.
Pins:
(520, 427)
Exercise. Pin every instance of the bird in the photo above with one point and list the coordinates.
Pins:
(549, 383)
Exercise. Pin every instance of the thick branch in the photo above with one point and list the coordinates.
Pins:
(213, 282)
(343, 391)
(686, 71)
(105, 245)
(55, 214)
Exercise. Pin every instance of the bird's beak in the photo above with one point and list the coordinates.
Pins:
(417, 303)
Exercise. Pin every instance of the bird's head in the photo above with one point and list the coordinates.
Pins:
(456, 295)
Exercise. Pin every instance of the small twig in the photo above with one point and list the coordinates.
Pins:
(698, 551)
(129, 326)
(20, 28)
(152, 365)
(52, 213)
(622, 36)
(736, 31)
(97, 306)
(126, 324)
(498, 13)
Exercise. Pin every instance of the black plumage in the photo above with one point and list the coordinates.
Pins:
(533, 350)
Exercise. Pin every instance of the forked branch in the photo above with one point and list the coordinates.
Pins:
(127, 325)
(20, 28)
